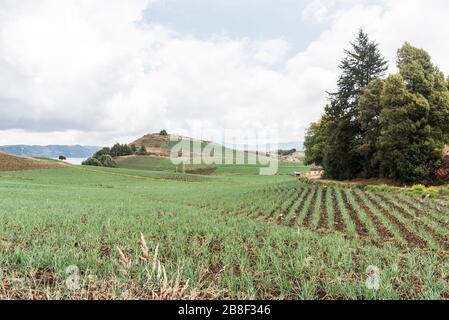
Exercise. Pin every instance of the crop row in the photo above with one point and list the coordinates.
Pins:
(378, 217)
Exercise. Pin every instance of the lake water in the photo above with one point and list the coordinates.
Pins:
(74, 160)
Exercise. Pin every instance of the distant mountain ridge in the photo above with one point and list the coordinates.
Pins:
(51, 151)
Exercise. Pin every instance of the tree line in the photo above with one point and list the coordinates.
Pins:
(383, 127)
(281, 152)
(105, 157)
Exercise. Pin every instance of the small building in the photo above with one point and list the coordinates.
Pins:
(314, 173)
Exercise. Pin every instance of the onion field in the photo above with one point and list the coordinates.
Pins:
(371, 217)
(97, 233)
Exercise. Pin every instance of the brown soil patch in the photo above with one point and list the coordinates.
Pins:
(444, 205)
(381, 229)
(410, 237)
(338, 217)
(155, 144)
(10, 162)
(415, 220)
(203, 171)
(290, 205)
(281, 199)
(45, 278)
(322, 223)
(419, 211)
(300, 208)
(359, 225)
(309, 214)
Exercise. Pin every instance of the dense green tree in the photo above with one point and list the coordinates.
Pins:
(417, 70)
(92, 162)
(163, 133)
(393, 128)
(101, 152)
(370, 108)
(414, 118)
(286, 152)
(119, 150)
(116, 150)
(107, 161)
(315, 143)
(341, 159)
(362, 64)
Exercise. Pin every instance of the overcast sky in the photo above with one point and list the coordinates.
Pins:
(94, 72)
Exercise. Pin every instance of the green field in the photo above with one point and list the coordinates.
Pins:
(164, 164)
(159, 234)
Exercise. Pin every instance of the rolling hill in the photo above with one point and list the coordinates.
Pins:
(159, 146)
(10, 162)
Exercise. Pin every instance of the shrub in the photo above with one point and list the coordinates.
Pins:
(418, 187)
(107, 161)
(142, 151)
(101, 152)
(92, 162)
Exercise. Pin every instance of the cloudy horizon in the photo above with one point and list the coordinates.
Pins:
(95, 72)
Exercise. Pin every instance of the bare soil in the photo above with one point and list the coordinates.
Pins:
(308, 217)
(359, 225)
(10, 162)
(203, 171)
(381, 229)
(287, 210)
(338, 217)
(300, 208)
(410, 237)
(322, 223)
(416, 221)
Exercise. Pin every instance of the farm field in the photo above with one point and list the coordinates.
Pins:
(154, 163)
(126, 233)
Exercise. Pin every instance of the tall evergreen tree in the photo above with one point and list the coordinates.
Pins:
(363, 63)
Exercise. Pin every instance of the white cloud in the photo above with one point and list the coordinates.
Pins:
(94, 66)
(391, 23)
(94, 72)
(271, 52)
(327, 10)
